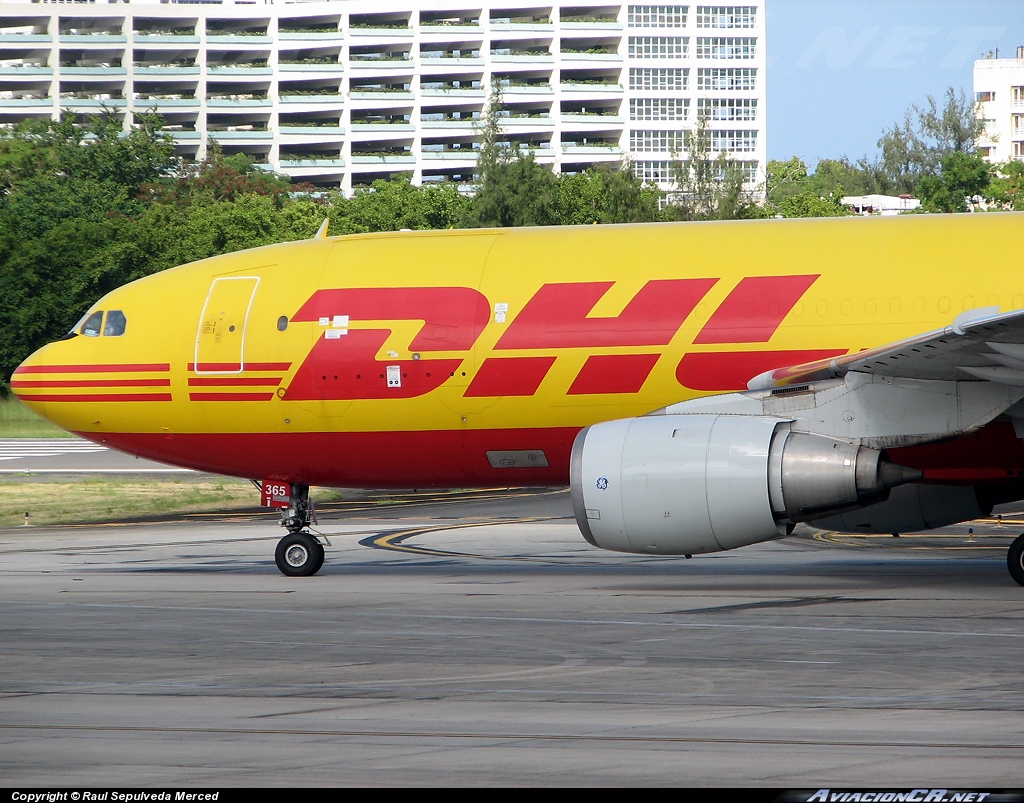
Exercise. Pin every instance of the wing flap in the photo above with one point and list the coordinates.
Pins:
(999, 374)
(980, 343)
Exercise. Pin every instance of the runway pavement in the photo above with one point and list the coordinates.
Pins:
(71, 456)
(476, 639)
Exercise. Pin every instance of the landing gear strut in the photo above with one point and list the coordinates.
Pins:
(1015, 559)
(300, 553)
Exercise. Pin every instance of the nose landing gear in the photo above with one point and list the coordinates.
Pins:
(300, 553)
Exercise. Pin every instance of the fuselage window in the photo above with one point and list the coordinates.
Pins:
(92, 324)
(116, 323)
(282, 323)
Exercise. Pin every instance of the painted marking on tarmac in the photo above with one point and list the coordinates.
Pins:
(964, 540)
(15, 448)
(395, 540)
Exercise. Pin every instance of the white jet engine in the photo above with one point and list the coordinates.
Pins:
(690, 484)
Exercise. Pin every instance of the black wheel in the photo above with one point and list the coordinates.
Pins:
(1015, 559)
(299, 555)
(320, 555)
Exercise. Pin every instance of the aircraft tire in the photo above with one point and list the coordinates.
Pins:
(299, 555)
(1015, 559)
(320, 555)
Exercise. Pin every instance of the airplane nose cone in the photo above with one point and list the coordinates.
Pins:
(23, 373)
(88, 384)
(43, 382)
(24, 380)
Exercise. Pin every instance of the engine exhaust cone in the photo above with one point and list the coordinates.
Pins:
(891, 475)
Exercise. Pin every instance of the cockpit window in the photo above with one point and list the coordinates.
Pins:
(74, 329)
(92, 324)
(116, 324)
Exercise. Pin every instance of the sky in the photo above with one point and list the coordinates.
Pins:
(841, 72)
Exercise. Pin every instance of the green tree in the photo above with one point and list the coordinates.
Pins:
(810, 204)
(512, 188)
(839, 177)
(219, 228)
(785, 178)
(709, 187)
(91, 149)
(224, 178)
(53, 171)
(300, 218)
(608, 193)
(517, 192)
(791, 192)
(70, 193)
(916, 148)
(1006, 190)
(962, 178)
(397, 204)
(48, 281)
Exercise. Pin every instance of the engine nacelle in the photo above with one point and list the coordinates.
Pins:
(688, 484)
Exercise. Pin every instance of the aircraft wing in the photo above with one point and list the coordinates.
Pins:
(980, 344)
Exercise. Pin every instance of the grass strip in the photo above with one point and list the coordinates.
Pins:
(95, 499)
(105, 499)
(18, 421)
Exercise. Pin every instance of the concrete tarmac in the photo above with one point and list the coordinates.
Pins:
(476, 639)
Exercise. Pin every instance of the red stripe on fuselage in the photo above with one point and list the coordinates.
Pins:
(556, 317)
(91, 383)
(214, 381)
(97, 397)
(613, 373)
(509, 376)
(87, 369)
(754, 309)
(731, 370)
(229, 397)
(234, 366)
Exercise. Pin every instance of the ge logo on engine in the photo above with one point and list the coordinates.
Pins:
(602, 483)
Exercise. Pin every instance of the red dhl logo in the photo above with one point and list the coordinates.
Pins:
(346, 368)
(555, 318)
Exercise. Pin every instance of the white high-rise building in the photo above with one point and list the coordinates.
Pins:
(999, 88)
(342, 92)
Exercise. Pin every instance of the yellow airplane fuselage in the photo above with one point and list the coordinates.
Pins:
(474, 357)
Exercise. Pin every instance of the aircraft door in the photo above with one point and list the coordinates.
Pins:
(220, 341)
